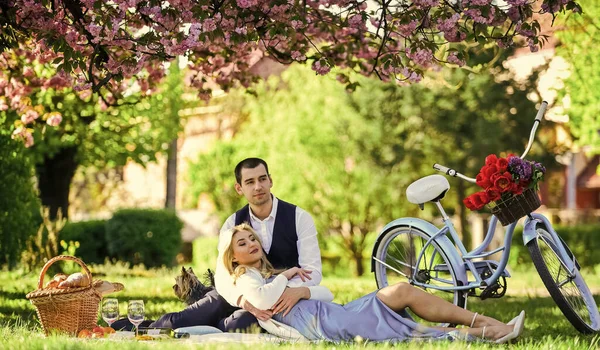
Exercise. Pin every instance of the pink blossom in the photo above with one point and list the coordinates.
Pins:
(355, 21)
(94, 29)
(245, 3)
(297, 24)
(412, 76)
(28, 72)
(426, 3)
(209, 25)
(29, 117)
(298, 56)
(454, 59)
(517, 2)
(321, 68)
(420, 56)
(241, 30)
(448, 24)
(409, 28)
(54, 119)
(23, 134)
(455, 36)
(28, 138)
(514, 14)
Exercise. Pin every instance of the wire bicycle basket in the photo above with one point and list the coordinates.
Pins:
(512, 209)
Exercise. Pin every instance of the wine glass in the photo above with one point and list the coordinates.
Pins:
(135, 313)
(110, 310)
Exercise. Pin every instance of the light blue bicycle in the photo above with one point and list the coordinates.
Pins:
(415, 251)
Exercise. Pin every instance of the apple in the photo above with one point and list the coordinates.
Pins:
(98, 329)
(84, 333)
(97, 334)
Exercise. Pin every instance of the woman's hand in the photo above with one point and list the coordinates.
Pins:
(302, 273)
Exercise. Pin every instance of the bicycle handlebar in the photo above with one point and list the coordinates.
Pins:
(541, 111)
(452, 172)
(536, 122)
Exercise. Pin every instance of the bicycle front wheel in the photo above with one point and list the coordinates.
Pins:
(568, 289)
(396, 261)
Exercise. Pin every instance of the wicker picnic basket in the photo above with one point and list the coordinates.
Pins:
(67, 310)
(515, 207)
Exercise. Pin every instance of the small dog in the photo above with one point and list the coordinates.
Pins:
(189, 289)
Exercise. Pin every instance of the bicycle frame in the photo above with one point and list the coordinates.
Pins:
(465, 264)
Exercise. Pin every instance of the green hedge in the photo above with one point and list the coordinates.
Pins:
(584, 241)
(18, 203)
(150, 237)
(91, 236)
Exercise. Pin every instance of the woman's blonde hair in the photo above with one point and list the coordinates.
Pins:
(235, 269)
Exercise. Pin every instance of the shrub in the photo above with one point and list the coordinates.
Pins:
(584, 241)
(18, 201)
(91, 235)
(45, 244)
(144, 236)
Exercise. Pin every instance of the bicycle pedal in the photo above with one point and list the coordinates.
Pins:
(494, 290)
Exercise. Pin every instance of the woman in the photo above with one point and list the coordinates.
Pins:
(378, 316)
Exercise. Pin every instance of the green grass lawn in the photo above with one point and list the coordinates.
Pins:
(546, 327)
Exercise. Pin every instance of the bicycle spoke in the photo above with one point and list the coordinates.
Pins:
(390, 267)
(403, 257)
(564, 281)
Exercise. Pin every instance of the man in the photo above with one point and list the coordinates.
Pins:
(288, 236)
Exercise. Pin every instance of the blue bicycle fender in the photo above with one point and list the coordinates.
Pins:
(430, 229)
(529, 231)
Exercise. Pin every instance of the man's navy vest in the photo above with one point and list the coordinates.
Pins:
(284, 249)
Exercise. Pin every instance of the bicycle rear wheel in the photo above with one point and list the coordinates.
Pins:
(569, 290)
(396, 261)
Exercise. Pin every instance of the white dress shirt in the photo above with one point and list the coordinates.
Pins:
(309, 254)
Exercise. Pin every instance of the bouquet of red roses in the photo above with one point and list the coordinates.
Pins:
(502, 178)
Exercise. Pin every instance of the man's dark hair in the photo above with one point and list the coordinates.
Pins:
(248, 163)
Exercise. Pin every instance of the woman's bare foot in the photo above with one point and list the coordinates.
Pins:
(485, 321)
(496, 332)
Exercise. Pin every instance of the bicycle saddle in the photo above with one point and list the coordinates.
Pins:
(427, 189)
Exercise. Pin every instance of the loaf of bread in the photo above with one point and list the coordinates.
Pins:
(59, 277)
(77, 279)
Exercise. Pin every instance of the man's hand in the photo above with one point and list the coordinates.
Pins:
(262, 315)
(296, 271)
(289, 298)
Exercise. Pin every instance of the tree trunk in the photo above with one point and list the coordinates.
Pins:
(462, 214)
(358, 261)
(171, 199)
(55, 174)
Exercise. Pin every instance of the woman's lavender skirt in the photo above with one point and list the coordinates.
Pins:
(367, 317)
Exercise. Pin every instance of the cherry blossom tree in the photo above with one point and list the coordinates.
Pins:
(98, 45)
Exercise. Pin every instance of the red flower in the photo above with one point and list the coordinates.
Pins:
(503, 183)
(491, 160)
(517, 189)
(483, 181)
(469, 203)
(489, 170)
(492, 194)
(483, 197)
(476, 200)
(502, 164)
